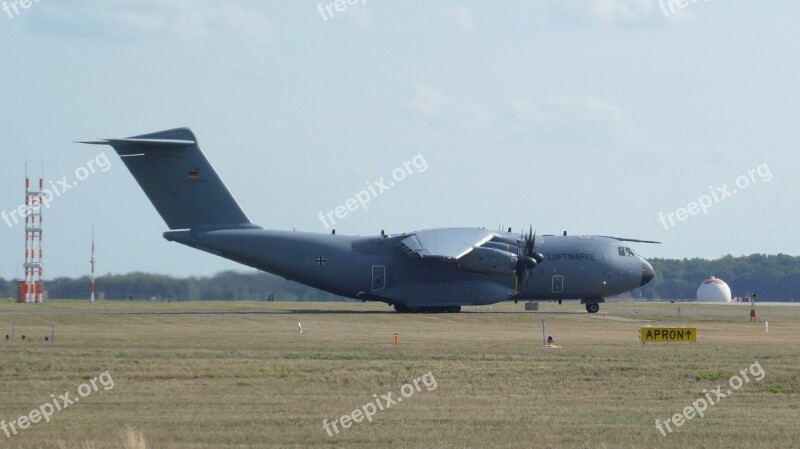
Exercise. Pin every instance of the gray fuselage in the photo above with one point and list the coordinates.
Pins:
(376, 268)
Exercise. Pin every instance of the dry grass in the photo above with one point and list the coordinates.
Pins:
(225, 380)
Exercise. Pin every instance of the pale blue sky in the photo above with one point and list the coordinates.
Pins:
(591, 116)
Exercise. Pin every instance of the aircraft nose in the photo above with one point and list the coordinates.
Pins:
(647, 272)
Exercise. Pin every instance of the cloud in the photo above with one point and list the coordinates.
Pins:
(586, 108)
(559, 118)
(520, 115)
(445, 113)
(579, 121)
(358, 17)
(555, 111)
(606, 12)
(425, 100)
(459, 16)
(152, 19)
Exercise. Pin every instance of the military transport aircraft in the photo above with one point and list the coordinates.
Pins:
(436, 270)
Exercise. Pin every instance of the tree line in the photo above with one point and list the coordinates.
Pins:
(772, 277)
(227, 285)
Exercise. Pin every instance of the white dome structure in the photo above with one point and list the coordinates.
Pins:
(714, 290)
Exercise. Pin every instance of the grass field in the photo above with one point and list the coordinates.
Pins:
(240, 375)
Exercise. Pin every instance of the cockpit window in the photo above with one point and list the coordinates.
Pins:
(622, 251)
(629, 252)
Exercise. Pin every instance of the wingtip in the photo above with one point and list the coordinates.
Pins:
(93, 142)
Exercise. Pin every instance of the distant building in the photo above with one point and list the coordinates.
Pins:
(714, 290)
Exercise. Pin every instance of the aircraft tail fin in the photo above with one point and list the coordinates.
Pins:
(178, 179)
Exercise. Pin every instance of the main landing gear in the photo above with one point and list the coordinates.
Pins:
(593, 303)
(402, 308)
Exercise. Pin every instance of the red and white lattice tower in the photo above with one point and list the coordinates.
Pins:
(31, 290)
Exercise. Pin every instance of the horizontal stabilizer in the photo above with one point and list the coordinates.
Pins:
(149, 142)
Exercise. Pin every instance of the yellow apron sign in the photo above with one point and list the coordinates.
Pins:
(668, 334)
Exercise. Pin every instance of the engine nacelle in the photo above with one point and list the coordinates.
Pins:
(488, 261)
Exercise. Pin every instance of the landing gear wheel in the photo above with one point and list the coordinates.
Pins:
(592, 308)
(401, 308)
(453, 309)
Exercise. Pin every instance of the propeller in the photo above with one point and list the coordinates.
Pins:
(527, 257)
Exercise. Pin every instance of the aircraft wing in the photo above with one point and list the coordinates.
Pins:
(447, 244)
(622, 239)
